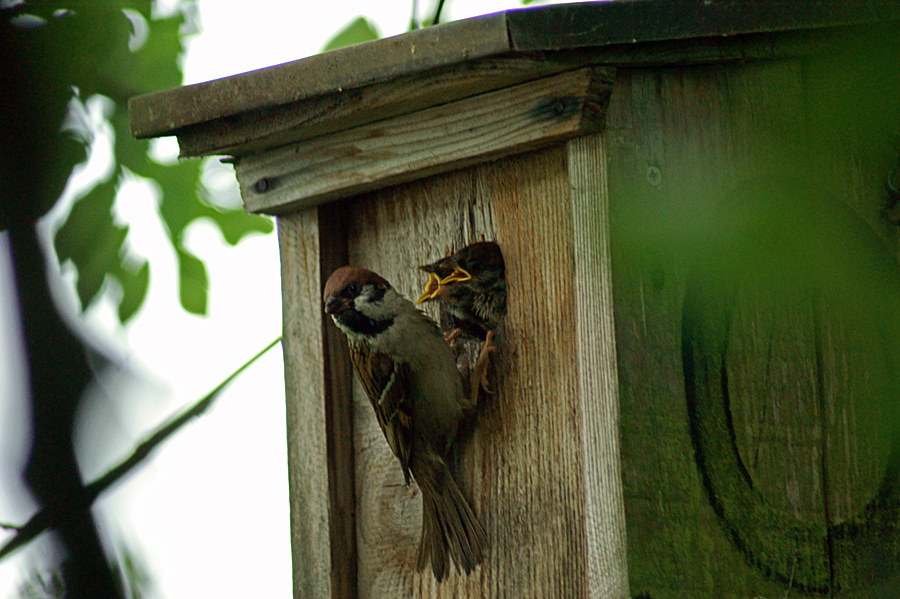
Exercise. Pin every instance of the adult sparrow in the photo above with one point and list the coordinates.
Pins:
(472, 285)
(410, 376)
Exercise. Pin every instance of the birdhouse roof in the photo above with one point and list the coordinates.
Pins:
(336, 90)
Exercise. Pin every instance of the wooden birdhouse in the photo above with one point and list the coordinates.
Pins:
(695, 392)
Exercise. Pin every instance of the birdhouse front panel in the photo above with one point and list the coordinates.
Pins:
(519, 455)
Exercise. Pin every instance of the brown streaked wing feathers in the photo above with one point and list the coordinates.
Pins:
(387, 385)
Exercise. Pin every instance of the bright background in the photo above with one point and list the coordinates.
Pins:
(207, 516)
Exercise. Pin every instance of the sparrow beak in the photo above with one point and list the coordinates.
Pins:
(435, 287)
(458, 275)
(431, 289)
(336, 305)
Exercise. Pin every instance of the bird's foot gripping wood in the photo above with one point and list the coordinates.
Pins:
(451, 336)
(479, 372)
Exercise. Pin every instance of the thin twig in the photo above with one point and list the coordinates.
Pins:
(437, 12)
(51, 514)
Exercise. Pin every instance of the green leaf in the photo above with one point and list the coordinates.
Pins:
(44, 65)
(134, 290)
(91, 240)
(356, 32)
(95, 246)
(194, 287)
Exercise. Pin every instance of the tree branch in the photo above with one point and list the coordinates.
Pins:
(54, 513)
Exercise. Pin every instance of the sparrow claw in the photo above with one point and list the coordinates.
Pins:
(450, 337)
(479, 378)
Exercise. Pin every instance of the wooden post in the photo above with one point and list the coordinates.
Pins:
(696, 388)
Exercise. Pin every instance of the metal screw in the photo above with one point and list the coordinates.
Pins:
(654, 176)
(263, 185)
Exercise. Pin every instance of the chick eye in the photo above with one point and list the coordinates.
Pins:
(352, 290)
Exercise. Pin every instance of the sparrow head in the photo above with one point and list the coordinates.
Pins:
(476, 267)
(360, 302)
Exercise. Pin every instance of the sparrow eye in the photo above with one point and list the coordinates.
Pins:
(352, 290)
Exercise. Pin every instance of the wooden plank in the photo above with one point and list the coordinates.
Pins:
(624, 22)
(677, 140)
(260, 129)
(304, 378)
(532, 433)
(392, 231)
(271, 127)
(416, 145)
(164, 112)
(332, 234)
(598, 382)
(522, 463)
(546, 30)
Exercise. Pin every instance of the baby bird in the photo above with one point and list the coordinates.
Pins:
(472, 285)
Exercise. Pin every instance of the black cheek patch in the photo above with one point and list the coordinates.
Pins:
(378, 294)
(363, 325)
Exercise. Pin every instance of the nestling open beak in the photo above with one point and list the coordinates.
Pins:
(431, 289)
(458, 275)
(435, 287)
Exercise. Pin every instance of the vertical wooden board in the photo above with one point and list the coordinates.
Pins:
(304, 367)
(392, 232)
(854, 135)
(598, 385)
(522, 466)
(679, 142)
(339, 415)
(531, 435)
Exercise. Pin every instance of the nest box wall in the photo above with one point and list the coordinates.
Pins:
(696, 392)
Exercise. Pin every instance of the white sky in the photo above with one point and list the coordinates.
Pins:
(210, 511)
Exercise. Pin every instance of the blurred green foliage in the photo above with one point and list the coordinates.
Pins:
(356, 31)
(52, 55)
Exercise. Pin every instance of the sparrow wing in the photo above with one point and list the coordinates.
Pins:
(386, 382)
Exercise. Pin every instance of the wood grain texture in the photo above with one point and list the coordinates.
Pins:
(427, 142)
(532, 433)
(304, 368)
(163, 112)
(756, 452)
(339, 416)
(522, 464)
(675, 138)
(272, 127)
(598, 380)
(392, 231)
(637, 33)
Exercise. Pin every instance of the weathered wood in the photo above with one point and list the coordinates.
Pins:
(419, 144)
(533, 433)
(428, 216)
(221, 115)
(272, 127)
(623, 22)
(756, 451)
(598, 382)
(304, 374)
(269, 127)
(338, 402)
(523, 466)
(164, 112)
(675, 138)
